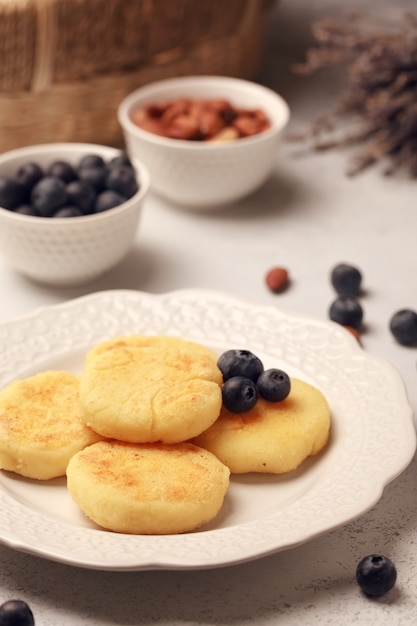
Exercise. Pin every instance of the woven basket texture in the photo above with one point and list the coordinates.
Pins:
(65, 65)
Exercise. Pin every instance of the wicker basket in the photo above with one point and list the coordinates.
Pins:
(67, 64)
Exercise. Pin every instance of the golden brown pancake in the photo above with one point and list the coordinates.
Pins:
(150, 341)
(42, 425)
(150, 388)
(273, 437)
(147, 488)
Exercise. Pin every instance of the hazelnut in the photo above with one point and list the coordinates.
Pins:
(277, 279)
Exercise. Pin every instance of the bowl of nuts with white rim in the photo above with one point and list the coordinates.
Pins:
(206, 140)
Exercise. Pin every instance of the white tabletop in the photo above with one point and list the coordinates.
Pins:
(308, 217)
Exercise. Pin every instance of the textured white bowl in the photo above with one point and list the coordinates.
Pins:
(201, 174)
(75, 250)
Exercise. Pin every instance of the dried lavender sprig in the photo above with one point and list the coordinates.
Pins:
(381, 87)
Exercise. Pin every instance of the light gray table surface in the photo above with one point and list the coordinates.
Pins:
(307, 217)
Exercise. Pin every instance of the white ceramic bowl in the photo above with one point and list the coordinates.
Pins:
(73, 250)
(201, 174)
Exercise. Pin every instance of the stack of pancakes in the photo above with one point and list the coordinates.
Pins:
(143, 438)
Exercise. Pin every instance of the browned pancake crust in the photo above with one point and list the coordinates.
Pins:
(42, 425)
(271, 437)
(150, 388)
(147, 488)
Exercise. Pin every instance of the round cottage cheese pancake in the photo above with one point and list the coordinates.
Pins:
(150, 341)
(145, 389)
(147, 488)
(42, 425)
(273, 437)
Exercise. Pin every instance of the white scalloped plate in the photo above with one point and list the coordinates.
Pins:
(373, 437)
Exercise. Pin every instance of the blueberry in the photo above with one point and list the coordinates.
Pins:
(63, 170)
(68, 211)
(121, 159)
(239, 394)
(26, 209)
(96, 176)
(16, 613)
(240, 363)
(376, 575)
(82, 194)
(12, 193)
(274, 385)
(123, 180)
(107, 200)
(48, 195)
(403, 325)
(346, 310)
(91, 160)
(346, 279)
(29, 174)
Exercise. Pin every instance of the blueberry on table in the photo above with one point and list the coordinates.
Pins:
(347, 311)
(376, 575)
(107, 200)
(123, 180)
(63, 170)
(240, 363)
(346, 279)
(274, 385)
(239, 394)
(403, 326)
(29, 174)
(12, 193)
(48, 195)
(16, 613)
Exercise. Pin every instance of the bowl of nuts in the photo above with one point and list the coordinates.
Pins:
(206, 140)
(69, 211)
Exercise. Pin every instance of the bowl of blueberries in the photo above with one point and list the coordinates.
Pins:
(69, 212)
